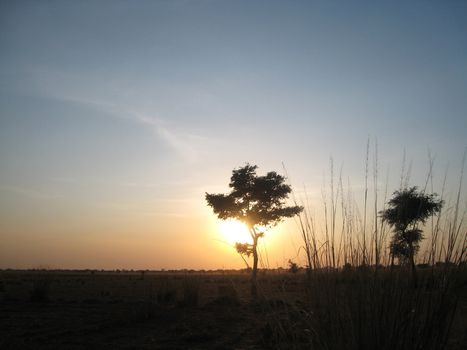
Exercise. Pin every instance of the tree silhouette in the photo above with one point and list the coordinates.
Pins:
(406, 210)
(258, 202)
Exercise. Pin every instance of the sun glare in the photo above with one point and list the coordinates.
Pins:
(233, 231)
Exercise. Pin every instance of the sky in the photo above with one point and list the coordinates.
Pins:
(116, 117)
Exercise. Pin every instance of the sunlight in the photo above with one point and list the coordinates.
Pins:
(233, 231)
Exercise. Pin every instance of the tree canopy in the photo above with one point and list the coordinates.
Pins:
(406, 210)
(254, 200)
(409, 207)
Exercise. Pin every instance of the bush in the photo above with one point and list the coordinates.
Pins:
(293, 267)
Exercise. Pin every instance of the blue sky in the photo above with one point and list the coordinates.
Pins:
(116, 116)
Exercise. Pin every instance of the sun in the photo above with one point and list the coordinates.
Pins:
(233, 231)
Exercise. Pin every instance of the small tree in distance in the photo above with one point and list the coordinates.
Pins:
(256, 201)
(406, 209)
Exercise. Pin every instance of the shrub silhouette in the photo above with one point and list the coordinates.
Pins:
(293, 267)
(258, 202)
(406, 210)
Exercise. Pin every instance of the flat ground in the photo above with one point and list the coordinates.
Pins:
(134, 310)
(103, 310)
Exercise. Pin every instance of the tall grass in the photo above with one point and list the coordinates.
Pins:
(353, 300)
(352, 232)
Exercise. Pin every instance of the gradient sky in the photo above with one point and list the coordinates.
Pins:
(117, 116)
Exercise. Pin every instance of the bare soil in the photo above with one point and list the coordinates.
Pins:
(152, 310)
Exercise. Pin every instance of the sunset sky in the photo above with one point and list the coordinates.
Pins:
(117, 116)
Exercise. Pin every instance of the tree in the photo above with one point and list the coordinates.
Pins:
(406, 210)
(258, 202)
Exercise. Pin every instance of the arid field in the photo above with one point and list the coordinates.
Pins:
(214, 310)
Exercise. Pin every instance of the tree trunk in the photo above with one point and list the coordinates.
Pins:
(412, 263)
(254, 290)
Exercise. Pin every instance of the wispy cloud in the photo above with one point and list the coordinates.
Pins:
(69, 88)
(181, 143)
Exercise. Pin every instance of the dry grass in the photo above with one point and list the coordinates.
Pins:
(353, 299)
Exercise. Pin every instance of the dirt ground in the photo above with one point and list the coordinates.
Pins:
(136, 310)
(127, 311)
